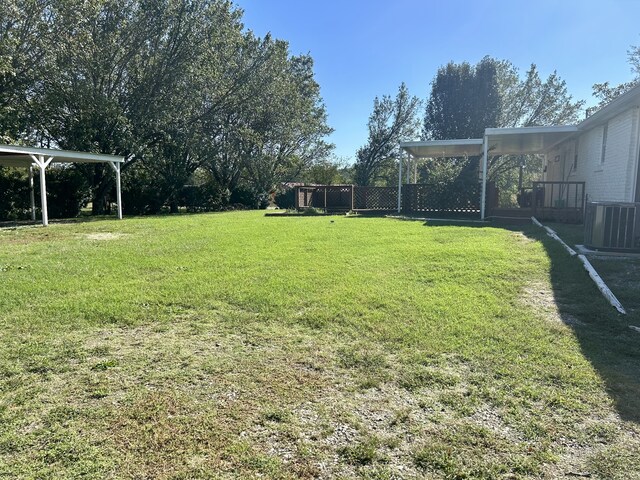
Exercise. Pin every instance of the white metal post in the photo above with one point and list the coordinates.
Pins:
(42, 165)
(400, 181)
(32, 194)
(116, 168)
(484, 177)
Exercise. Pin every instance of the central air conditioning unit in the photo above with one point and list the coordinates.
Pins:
(612, 226)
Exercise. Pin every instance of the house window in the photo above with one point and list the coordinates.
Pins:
(575, 157)
(605, 131)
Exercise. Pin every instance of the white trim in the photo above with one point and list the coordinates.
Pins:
(618, 105)
(637, 158)
(528, 130)
(427, 143)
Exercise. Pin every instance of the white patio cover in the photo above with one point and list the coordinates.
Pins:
(28, 157)
(496, 141)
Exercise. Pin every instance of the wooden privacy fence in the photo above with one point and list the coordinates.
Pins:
(334, 198)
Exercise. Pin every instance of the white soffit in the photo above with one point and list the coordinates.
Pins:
(526, 140)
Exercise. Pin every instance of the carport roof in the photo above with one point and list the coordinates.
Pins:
(518, 141)
(444, 148)
(17, 156)
(500, 141)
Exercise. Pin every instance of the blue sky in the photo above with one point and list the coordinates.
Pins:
(364, 49)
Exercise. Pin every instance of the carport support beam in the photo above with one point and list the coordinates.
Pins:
(116, 168)
(483, 198)
(42, 165)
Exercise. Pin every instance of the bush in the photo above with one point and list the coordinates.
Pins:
(67, 192)
(286, 198)
(14, 194)
(249, 198)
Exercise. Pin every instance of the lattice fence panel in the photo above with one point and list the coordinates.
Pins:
(441, 197)
(375, 198)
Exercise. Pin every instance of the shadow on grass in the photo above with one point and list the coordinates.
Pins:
(56, 221)
(605, 338)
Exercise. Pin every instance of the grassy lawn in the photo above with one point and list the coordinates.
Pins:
(238, 346)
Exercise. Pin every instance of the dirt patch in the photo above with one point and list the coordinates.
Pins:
(100, 236)
(540, 297)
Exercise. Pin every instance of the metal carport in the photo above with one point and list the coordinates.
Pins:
(28, 157)
(496, 141)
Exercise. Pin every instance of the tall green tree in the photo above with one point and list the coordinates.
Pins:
(392, 120)
(464, 100)
(532, 101)
(24, 44)
(605, 92)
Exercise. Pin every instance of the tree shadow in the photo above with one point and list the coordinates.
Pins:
(604, 336)
(56, 221)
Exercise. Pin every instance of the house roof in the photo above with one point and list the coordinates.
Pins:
(623, 102)
(16, 156)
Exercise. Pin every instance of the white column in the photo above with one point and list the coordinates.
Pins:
(32, 194)
(484, 177)
(116, 168)
(400, 181)
(42, 165)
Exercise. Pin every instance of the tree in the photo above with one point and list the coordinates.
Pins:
(605, 92)
(24, 41)
(290, 125)
(328, 172)
(174, 86)
(274, 124)
(531, 101)
(528, 102)
(464, 100)
(123, 76)
(392, 120)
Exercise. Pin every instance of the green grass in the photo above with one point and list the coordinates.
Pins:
(238, 346)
